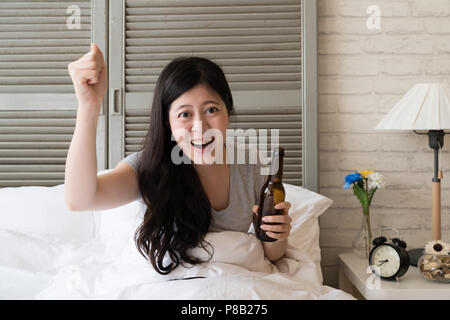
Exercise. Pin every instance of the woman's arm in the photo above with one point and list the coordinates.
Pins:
(80, 179)
(275, 250)
(89, 76)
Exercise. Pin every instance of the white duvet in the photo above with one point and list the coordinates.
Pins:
(37, 267)
(48, 252)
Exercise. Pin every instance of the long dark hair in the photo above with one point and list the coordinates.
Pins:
(178, 214)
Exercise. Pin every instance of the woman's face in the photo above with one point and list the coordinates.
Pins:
(199, 120)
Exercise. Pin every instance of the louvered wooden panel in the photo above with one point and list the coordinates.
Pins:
(37, 100)
(288, 123)
(256, 42)
(136, 127)
(33, 147)
(287, 120)
(36, 45)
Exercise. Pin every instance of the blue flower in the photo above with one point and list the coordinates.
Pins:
(351, 178)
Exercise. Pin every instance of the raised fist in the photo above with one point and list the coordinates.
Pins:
(90, 79)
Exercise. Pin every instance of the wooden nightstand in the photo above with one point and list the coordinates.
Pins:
(357, 279)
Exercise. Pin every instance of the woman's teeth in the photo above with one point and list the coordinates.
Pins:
(202, 144)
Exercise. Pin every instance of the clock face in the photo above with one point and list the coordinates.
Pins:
(385, 261)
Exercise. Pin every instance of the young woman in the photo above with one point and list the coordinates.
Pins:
(184, 199)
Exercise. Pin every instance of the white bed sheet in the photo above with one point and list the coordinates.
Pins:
(37, 267)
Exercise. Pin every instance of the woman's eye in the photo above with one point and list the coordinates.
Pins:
(212, 109)
(183, 115)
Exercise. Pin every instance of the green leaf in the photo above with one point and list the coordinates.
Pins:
(360, 193)
(371, 194)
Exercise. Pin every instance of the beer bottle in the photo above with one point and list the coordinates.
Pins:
(271, 194)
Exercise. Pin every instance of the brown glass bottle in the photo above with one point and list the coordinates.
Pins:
(271, 194)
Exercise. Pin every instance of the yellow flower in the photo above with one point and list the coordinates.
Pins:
(365, 173)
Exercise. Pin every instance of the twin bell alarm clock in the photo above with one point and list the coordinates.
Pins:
(389, 259)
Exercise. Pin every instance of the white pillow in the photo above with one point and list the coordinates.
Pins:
(43, 211)
(120, 221)
(123, 220)
(306, 207)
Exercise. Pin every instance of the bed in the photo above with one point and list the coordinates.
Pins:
(48, 252)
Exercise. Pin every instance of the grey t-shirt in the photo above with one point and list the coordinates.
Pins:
(246, 182)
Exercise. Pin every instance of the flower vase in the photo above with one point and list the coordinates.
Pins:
(362, 244)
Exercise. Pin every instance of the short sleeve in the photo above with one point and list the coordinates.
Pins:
(133, 160)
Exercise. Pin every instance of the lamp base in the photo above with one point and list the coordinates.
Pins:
(436, 209)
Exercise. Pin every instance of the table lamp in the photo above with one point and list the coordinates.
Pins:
(424, 107)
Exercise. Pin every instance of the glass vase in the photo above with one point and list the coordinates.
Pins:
(362, 244)
(435, 268)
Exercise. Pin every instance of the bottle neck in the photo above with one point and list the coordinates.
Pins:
(276, 170)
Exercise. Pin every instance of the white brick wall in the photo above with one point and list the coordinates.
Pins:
(362, 74)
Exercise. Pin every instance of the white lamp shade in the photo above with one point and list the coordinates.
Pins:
(424, 107)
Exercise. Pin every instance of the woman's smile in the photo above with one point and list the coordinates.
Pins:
(201, 145)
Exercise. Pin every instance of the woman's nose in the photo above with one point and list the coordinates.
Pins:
(199, 126)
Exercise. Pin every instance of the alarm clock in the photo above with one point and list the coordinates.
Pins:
(389, 260)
